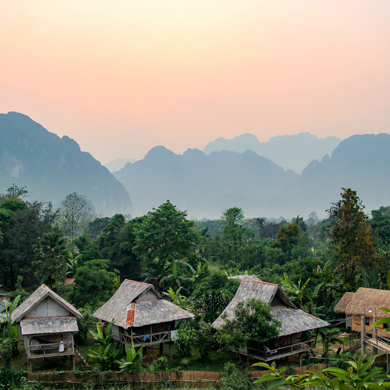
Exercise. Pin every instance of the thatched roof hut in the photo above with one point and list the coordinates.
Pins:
(293, 320)
(47, 323)
(365, 302)
(137, 304)
(253, 278)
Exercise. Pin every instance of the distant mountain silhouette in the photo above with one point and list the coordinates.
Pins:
(289, 151)
(206, 185)
(118, 164)
(361, 162)
(51, 167)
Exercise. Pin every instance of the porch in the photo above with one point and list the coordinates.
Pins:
(266, 354)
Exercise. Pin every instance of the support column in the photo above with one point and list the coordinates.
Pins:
(375, 336)
(363, 334)
(74, 362)
(171, 352)
(29, 365)
(161, 349)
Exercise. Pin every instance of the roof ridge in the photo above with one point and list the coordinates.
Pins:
(260, 281)
(136, 281)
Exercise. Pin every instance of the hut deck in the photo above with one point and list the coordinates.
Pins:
(277, 353)
(379, 344)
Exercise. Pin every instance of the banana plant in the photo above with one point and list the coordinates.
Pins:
(106, 356)
(132, 360)
(102, 337)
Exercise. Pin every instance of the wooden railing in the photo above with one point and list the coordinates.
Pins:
(271, 354)
(147, 339)
(39, 350)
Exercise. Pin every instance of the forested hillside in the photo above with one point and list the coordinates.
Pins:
(51, 167)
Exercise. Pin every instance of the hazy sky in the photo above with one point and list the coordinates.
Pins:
(123, 76)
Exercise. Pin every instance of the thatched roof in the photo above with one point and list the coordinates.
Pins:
(344, 302)
(40, 294)
(50, 325)
(127, 307)
(296, 320)
(366, 301)
(293, 320)
(253, 278)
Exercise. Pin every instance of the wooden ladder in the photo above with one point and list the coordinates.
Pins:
(86, 365)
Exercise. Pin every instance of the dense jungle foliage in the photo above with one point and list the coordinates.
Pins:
(84, 258)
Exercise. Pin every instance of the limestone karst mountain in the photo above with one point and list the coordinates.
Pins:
(52, 167)
(289, 151)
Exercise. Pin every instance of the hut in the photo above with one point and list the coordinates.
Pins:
(47, 323)
(295, 335)
(140, 316)
(365, 303)
(3, 312)
(4, 291)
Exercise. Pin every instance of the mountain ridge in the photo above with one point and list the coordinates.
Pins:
(289, 151)
(52, 167)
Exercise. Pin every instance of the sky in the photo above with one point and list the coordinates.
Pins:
(121, 77)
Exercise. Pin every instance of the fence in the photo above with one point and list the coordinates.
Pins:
(144, 379)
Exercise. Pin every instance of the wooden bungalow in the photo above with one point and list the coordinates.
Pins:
(295, 335)
(140, 316)
(47, 323)
(363, 307)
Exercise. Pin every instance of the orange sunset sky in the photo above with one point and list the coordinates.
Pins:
(123, 76)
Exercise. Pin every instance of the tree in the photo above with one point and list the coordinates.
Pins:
(94, 284)
(234, 235)
(287, 237)
(119, 240)
(351, 236)
(296, 292)
(253, 320)
(50, 258)
(165, 235)
(212, 295)
(75, 211)
(329, 337)
(21, 224)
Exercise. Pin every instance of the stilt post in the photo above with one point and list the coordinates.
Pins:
(363, 334)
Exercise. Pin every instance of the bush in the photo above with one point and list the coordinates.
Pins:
(235, 379)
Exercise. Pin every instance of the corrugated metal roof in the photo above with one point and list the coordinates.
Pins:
(50, 325)
(122, 310)
(293, 320)
(41, 293)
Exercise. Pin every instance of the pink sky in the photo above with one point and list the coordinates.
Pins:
(123, 76)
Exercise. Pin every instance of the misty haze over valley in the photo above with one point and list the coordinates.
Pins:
(296, 175)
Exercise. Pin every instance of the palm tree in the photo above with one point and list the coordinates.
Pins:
(328, 338)
(50, 258)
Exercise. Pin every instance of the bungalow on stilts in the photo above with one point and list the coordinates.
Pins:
(47, 323)
(295, 336)
(140, 316)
